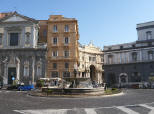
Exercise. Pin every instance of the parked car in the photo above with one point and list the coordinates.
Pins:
(13, 87)
(25, 87)
(1, 85)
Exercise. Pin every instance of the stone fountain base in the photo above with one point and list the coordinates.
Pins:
(74, 91)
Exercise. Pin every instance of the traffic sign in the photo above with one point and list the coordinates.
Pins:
(13, 78)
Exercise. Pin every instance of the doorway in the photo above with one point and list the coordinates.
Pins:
(11, 74)
(92, 72)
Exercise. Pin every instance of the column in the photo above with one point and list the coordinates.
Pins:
(33, 69)
(140, 55)
(5, 78)
(18, 68)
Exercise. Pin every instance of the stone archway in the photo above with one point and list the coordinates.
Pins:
(92, 73)
(123, 78)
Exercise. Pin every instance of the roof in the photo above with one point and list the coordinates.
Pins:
(17, 14)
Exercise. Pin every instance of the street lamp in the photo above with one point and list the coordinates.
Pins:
(75, 70)
(75, 75)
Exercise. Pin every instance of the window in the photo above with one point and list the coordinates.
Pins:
(55, 41)
(83, 73)
(26, 71)
(109, 48)
(27, 38)
(148, 35)
(150, 55)
(66, 28)
(55, 28)
(54, 74)
(82, 65)
(66, 40)
(83, 58)
(26, 68)
(133, 46)
(102, 60)
(44, 32)
(90, 58)
(55, 53)
(149, 43)
(66, 65)
(14, 39)
(66, 74)
(134, 56)
(54, 65)
(66, 54)
(121, 47)
(94, 58)
(110, 59)
(1, 37)
(39, 71)
(136, 77)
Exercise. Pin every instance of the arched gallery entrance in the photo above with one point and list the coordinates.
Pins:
(123, 78)
(92, 72)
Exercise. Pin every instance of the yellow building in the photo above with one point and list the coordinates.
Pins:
(62, 44)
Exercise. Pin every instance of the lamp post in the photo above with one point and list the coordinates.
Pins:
(85, 72)
(75, 75)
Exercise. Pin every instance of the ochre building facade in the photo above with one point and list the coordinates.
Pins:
(62, 44)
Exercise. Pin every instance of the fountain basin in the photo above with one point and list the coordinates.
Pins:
(73, 91)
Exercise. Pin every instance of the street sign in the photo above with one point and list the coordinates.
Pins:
(13, 78)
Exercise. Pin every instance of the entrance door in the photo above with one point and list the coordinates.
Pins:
(92, 72)
(11, 73)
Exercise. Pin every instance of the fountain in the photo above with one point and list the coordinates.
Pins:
(74, 86)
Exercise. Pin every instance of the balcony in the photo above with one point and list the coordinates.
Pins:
(41, 45)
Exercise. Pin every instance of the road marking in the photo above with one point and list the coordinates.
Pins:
(90, 111)
(87, 110)
(149, 107)
(127, 110)
(21, 112)
(45, 111)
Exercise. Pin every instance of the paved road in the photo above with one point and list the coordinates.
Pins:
(132, 102)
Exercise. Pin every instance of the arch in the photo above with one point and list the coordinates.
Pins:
(92, 73)
(123, 78)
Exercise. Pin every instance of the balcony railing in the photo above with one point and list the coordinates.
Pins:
(129, 62)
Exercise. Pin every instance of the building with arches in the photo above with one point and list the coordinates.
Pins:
(90, 63)
(131, 63)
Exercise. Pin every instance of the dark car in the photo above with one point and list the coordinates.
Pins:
(1, 85)
(13, 87)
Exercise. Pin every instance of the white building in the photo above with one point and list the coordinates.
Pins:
(131, 62)
(90, 63)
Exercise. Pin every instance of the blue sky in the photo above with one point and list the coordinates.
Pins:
(105, 22)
